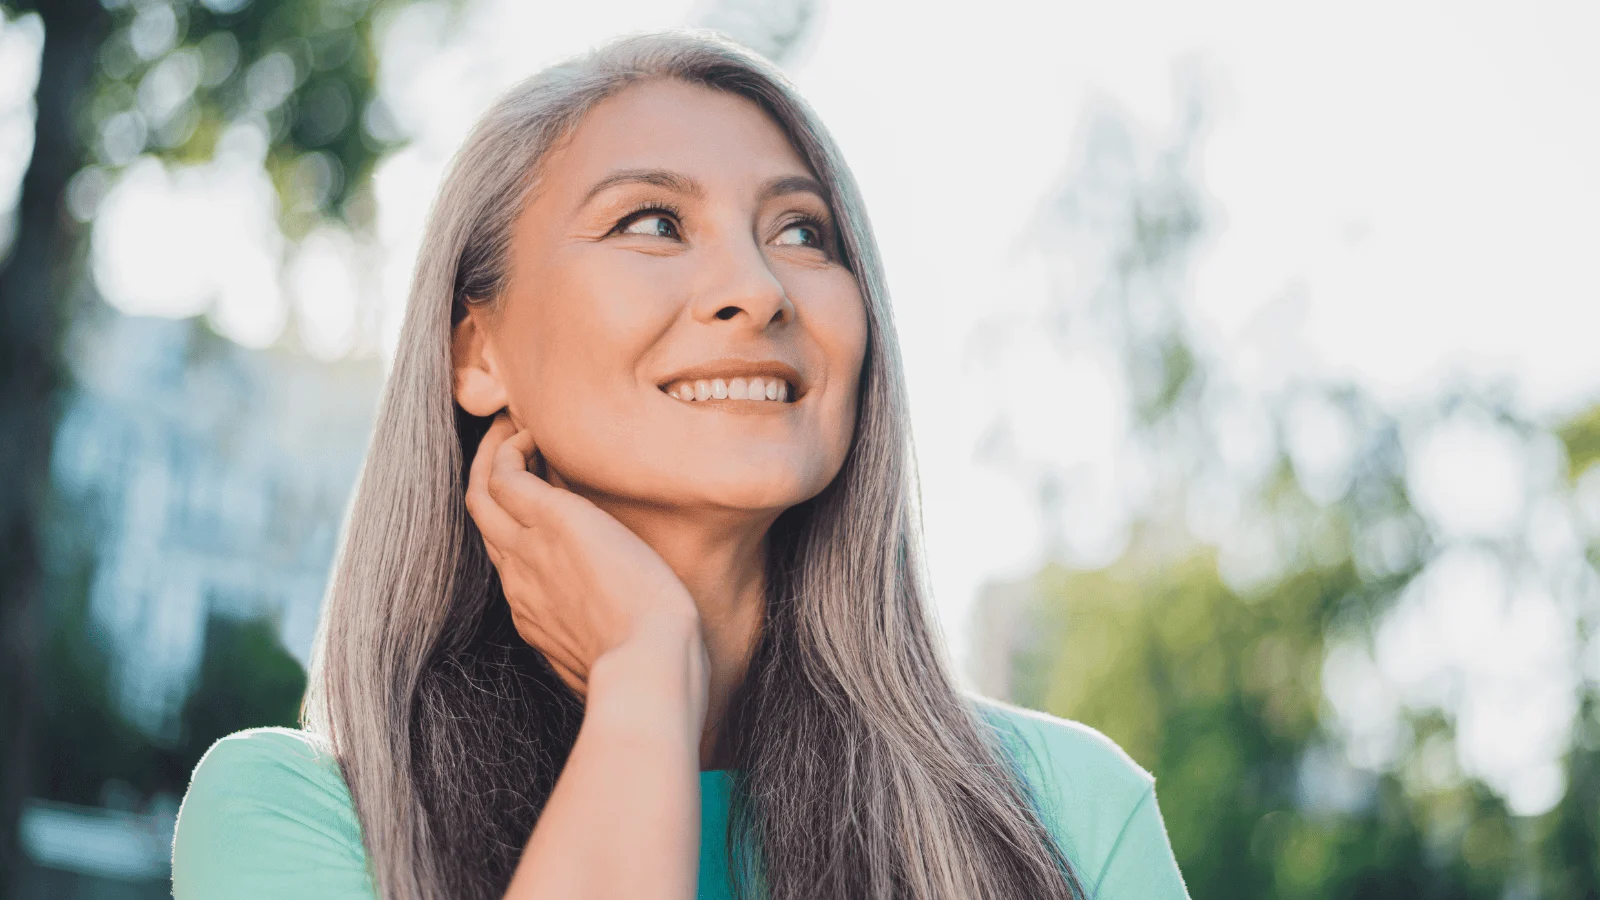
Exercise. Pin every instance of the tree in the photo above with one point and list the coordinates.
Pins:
(118, 80)
(37, 273)
(1210, 645)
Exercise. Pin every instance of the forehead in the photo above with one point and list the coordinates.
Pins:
(710, 135)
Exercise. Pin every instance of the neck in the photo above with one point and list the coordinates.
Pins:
(720, 556)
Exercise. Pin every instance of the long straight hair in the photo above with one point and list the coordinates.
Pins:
(860, 769)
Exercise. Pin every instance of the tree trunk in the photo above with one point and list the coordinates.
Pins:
(33, 284)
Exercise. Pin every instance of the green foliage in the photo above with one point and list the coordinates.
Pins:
(246, 679)
(1581, 437)
(289, 84)
(1218, 691)
(1219, 694)
(81, 739)
(1210, 674)
(298, 76)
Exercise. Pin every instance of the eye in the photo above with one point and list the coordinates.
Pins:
(801, 234)
(654, 222)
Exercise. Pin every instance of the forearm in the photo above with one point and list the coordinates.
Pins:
(624, 817)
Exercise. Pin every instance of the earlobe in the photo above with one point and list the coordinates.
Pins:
(477, 379)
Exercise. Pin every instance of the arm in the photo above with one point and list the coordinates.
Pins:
(624, 817)
(619, 627)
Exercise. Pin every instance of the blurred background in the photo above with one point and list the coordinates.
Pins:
(1252, 346)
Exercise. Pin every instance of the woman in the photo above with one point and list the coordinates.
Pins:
(629, 601)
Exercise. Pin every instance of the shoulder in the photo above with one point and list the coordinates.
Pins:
(1087, 787)
(263, 750)
(270, 769)
(267, 813)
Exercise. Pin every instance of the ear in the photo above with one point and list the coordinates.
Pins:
(479, 387)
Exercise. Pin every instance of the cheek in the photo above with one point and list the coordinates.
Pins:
(594, 318)
(853, 340)
(834, 320)
(578, 344)
(836, 314)
(839, 325)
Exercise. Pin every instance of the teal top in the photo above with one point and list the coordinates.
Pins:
(267, 814)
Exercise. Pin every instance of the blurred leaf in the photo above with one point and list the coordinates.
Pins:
(1213, 681)
(1582, 439)
(294, 76)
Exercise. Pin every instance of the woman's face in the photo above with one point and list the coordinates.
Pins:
(676, 254)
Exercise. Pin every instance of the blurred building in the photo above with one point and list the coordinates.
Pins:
(201, 478)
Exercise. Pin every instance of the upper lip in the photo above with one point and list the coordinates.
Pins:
(737, 368)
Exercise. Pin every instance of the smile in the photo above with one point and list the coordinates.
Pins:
(754, 389)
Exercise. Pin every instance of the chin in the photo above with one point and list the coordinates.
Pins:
(751, 488)
(759, 480)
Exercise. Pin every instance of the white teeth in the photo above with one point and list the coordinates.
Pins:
(741, 388)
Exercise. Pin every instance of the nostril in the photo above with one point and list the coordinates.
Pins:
(727, 312)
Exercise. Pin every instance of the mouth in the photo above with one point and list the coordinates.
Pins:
(732, 382)
(752, 389)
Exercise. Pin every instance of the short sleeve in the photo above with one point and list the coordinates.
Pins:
(267, 815)
(1096, 801)
(1141, 863)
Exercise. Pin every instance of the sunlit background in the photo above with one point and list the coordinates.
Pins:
(1253, 356)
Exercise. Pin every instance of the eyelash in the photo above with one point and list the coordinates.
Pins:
(824, 230)
(638, 212)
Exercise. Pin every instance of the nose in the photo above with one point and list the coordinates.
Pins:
(742, 286)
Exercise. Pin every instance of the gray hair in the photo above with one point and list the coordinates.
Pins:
(860, 768)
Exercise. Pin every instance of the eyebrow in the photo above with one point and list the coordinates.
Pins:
(792, 184)
(672, 181)
(683, 184)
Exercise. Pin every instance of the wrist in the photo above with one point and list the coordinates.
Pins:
(657, 678)
(668, 622)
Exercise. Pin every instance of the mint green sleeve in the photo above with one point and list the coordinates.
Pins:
(1141, 863)
(267, 815)
(1098, 803)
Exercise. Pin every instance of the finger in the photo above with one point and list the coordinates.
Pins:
(519, 492)
(495, 524)
(495, 556)
(483, 457)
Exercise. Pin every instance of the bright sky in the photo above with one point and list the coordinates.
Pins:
(1418, 177)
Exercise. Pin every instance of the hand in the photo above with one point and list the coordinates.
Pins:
(579, 582)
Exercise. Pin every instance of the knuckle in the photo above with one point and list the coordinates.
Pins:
(494, 488)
